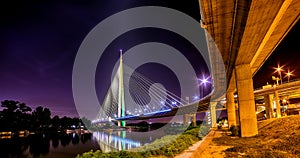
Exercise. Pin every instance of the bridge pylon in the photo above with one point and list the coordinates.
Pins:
(121, 100)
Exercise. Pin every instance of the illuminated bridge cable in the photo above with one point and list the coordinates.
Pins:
(160, 90)
(148, 97)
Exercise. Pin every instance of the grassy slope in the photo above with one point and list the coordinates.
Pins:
(276, 138)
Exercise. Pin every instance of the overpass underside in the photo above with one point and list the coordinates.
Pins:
(246, 33)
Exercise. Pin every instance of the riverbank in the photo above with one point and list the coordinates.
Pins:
(167, 146)
(277, 138)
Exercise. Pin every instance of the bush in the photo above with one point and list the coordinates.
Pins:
(203, 131)
(235, 130)
(123, 154)
(193, 131)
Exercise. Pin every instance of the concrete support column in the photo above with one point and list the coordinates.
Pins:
(194, 120)
(185, 119)
(278, 111)
(248, 121)
(269, 105)
(189, 117)
(213, 114)
(230, 109)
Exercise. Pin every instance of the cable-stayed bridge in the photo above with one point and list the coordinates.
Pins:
(132, 96)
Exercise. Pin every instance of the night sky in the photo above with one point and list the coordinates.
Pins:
(39, 41)
(287, 55)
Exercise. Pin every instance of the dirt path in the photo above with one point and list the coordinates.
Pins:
(206, 148)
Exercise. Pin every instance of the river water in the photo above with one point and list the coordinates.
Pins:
(69, 145)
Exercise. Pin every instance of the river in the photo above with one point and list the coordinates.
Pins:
(69, 145)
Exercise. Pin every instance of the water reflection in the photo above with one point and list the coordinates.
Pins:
(40, 145)
(124, 140)
(69, 145)
(115, 141)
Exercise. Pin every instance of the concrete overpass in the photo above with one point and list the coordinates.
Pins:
(246, 33)
(290, 89)
(284, 89)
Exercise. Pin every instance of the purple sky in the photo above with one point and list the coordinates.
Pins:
(39, 41)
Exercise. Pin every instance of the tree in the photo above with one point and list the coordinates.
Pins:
(41, 117)
(87, 123)
(24, 108)
(65, 122)
(14, 116)
(55, 122)
(10, 105)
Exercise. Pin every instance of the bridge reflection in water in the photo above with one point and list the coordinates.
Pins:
(124, 140)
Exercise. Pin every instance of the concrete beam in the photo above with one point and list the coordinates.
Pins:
(285, 19)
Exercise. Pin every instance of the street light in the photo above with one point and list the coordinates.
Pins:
(196, 97)
(279, 69)
(203, 81)
(288, 75)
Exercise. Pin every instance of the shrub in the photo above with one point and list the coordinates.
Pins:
(235, 130)
(203, 131)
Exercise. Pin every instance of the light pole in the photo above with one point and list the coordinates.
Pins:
(203, 81)
(196, 97)
(288, 75)
(279, 69)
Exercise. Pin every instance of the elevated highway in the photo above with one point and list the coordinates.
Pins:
(246, 33)
(284, 89)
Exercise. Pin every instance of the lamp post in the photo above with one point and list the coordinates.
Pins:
(203, 81)
(196, 97)
(288, 75)
(279, 69)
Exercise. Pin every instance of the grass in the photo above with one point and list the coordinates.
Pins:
(276, 138)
